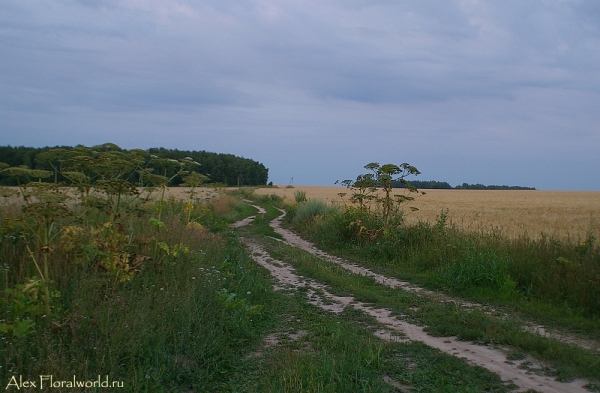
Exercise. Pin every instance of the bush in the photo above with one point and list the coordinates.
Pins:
(300, 196)
(311, 209)
(246, 192)
(273, 199)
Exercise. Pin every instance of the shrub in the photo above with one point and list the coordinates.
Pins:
(274, 199)
(300, 196)
(311, 209)
(246, 192)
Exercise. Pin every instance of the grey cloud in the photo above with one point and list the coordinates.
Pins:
(97, 3)
(325, 60)
(459, 81)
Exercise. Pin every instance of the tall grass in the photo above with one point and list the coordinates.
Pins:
(171, 323)
(300, 196)
(445, 318)
(310, 210)
(562, 273)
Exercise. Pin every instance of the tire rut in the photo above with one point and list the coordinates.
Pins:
(318, 295)
(294, 240)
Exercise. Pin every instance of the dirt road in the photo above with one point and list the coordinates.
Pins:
(286, 277)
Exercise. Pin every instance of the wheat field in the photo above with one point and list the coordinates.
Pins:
(561, 214)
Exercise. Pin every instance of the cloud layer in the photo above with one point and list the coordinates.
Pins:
(466, 90)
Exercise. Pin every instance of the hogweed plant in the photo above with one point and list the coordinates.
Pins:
(182, 169)
(377, 188)
(61, 230)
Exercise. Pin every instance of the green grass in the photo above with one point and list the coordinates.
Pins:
(172, 327)
(554, 282)
(240, 210)
(438, 372)
(338, 353)
(444, 319)
(176, 321)
(260, 225)
(310, 210)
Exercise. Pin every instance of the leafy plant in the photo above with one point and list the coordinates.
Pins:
(230, 301)
(383, 176)
(377, 187)
(300, 196)
(26, 302)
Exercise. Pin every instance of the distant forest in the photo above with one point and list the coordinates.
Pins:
(226, 169)
(432, 184)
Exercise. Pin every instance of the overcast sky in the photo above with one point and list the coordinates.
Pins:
(477, 91)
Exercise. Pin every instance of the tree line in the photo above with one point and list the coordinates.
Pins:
(432, 184)
(226, 169)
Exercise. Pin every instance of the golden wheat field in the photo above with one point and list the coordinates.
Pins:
(511, 213)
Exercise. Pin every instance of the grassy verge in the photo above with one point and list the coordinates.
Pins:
(313, 350)
(196, 315)
(260, 225)
(554, 282)
(446, 319)
(169, 323)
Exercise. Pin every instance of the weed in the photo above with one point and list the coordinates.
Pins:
(300, 196)
(311, 210)
(445, 319)
(77, 298)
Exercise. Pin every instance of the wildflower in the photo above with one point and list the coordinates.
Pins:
(248, 293)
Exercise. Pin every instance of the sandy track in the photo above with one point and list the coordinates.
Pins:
(492, 359)
(296, 241)
(318, 295)
(248, 220)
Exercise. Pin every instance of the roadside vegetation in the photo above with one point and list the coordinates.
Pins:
(549, 282)
(555, 280)
(106, 276)
(314, 350)
(564, 361)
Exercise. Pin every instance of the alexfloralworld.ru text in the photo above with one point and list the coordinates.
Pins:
(48, 381)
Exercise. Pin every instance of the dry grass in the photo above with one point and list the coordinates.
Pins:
(200, 194)
(511, 213)
(222, 205)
